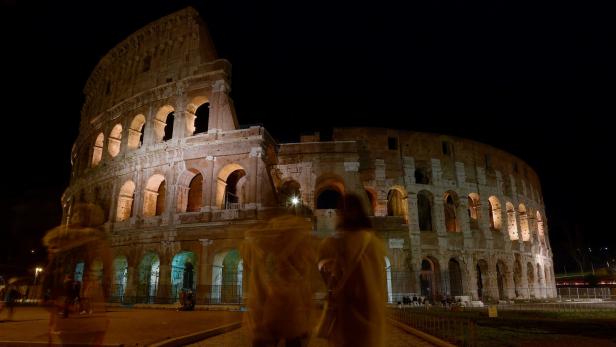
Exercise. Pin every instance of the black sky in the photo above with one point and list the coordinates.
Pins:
(535, 79)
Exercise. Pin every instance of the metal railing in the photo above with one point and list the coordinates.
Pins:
(577, 293)
(458, 331)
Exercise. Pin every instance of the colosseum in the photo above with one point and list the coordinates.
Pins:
(179, 180)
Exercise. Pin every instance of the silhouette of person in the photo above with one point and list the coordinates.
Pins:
(278, 259)
(352, 264)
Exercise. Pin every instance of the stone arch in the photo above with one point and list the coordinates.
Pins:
(200, 108)
(163, 123)
(289, 190)
(494, 209)
(482, 278)
(97, 152)
(517, 277)
(229, 184)
(154, 199)
(149, 269)
(397, 203)
(429, 277)
(473, 211)
(136, 131)
(79, 270)
(126, 198)
(425, 201)
(183, 273)
(114, 140)
(455, 278)
(227, 277)
(524, 228)
(450, 205)
(329, 189)
(512, 224)
(190, 191)
(120, 276)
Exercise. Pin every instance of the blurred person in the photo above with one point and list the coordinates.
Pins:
(10, 298)
(279, 260)
(352, 264)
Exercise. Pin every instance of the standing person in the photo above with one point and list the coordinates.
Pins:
(68, 294)
(279, 260)
(352, 264)
(12, 294)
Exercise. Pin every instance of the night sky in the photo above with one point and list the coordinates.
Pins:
(534, 79)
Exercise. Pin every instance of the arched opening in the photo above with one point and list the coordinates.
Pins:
(428, 278)
(396, 204)
(154, 200)
(136, 131)
(97, 152)
(227, 277)
(202, 116)
(115, 139)
(120, 269)
(195, 194)
(182, 273)
(512, 224)
(289, 190)
(422, 176)
(149, 269)
(424, 210)
(125, 201)
(163, 123)
(451, 217)
(455, 278)
(232, 190)
(390, 297)
(494, 210)
(473, 211)
(501, 279)
(169, 127)
(482, 279)
(329, 198)
(524, 223)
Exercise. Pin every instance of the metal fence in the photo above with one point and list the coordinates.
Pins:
(458, 331)
(577, 293)
(230, 294)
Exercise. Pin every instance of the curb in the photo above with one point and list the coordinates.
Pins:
(432, 339)
(40, 343)
(195, 337)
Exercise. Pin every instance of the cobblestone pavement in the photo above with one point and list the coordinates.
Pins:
(397, 338)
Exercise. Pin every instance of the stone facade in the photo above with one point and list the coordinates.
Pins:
(178, 192)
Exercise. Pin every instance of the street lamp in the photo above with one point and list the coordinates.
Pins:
(36, 272)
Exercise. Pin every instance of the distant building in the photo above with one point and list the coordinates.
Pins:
(179, 180)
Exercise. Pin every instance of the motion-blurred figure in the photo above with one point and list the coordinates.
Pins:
(279, 259)
(352, 263)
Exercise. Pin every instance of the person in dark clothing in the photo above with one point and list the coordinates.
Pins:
(68, 294)
(12, 294)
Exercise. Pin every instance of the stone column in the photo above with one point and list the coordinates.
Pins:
(471, 279)
(524, 289)
(222, 116)
(149, 136)
(491, 280)
(204, 287)
(164, 280)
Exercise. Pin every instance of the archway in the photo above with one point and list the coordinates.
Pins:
(227, 276)
(473, 211)
(114, 140)
(524, 223)
(452, 224)
(424, 210)
(97, 151)
(512, 225)
(482, 279)
(79, 269)
(329, 198)
(149, 269)
(230, 187)
(182, 273)
(428, 278)
(195, 194)
(125, 201)
(455, 278)
(288, 191)
(501, 279)
(136, 131)
(530, 272)
(494, 210)
(154, 200)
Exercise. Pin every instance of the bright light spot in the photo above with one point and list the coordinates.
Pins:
(38, 269)
(32, 251)
(295, 200)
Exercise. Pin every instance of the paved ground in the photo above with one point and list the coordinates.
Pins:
(396, 338)
(131, 327)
